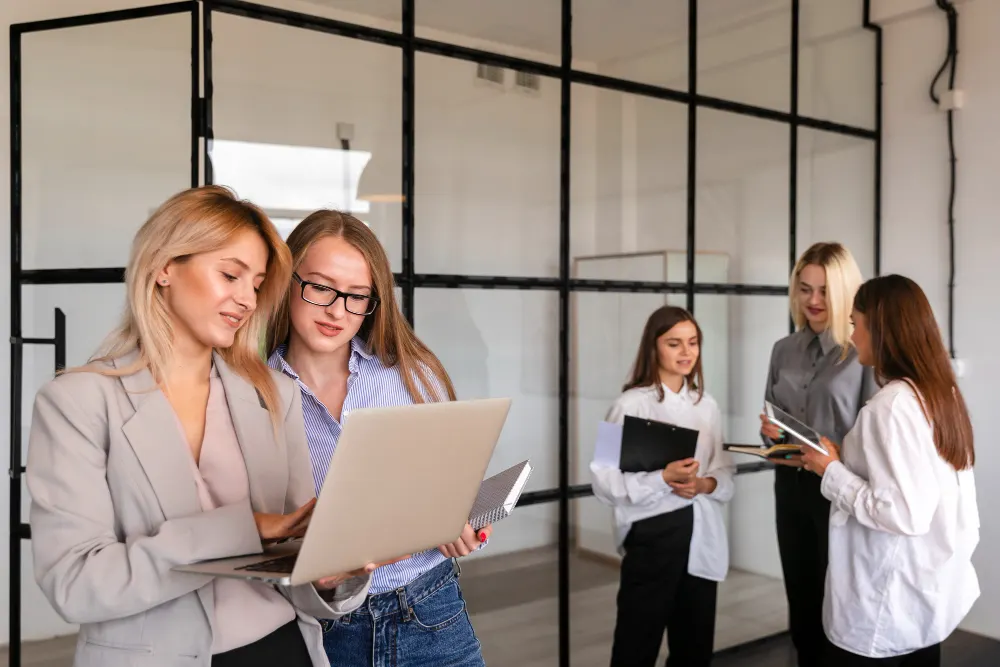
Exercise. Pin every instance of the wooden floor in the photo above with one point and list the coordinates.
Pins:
(514, 607)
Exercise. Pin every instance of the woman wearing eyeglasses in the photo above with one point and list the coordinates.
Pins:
(341, 336)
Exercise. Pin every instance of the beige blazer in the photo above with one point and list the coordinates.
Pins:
(114, 509)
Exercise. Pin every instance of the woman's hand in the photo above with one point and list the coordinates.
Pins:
(274, 527)
(790, 460)
(329, 583)
(815, 461)
(769, 430)
(467, 543)
(697, 486)
(680, 472)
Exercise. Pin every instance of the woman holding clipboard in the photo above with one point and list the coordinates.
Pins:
(905, 520)
(669, 522)
(814, 376)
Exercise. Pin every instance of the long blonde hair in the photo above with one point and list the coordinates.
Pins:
(192, 222)
(386, 332)
(843, 278)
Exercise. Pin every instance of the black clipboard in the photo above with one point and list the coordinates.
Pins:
(649, 445)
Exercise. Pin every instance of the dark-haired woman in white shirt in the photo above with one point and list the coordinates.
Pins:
(904, 521)
(669, 522)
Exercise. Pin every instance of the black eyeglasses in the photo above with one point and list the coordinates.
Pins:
(324, 295)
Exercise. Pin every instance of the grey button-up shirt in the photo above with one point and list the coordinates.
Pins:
(808, 379)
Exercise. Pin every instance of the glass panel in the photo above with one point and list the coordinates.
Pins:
(281, 115)
(502, 343)
(529, 29)
(644, 42)
(92, 311)
(594, 575)
(487, 164)
(742, 198)
(511, 588)
(629, 177)
(739, 332)
(744, 51)
(381, 14)
(836, 197)
(836, 63)
(106, 136)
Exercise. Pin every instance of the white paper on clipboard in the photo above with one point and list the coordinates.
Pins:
(608, 448)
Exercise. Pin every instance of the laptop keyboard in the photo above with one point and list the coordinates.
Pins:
(282, 565)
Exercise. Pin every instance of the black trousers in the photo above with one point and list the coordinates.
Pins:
(803, 523)
(657, 594)
(284, 647)
(925, 657)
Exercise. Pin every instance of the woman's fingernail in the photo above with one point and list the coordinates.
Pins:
(482, 536)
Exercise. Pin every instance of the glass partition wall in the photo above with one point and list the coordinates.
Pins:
(542, 173)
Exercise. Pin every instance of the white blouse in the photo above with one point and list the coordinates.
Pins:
(640, 495)
(903, 526)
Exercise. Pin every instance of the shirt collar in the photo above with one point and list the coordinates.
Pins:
(826, 341)
(359, 349)
(684, 393)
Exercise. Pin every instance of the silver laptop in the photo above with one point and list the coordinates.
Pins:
(402, 480)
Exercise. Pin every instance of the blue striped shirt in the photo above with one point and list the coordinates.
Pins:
(369, 385)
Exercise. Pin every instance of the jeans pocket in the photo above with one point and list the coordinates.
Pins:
(440, 610)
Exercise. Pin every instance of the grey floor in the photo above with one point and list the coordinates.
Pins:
(513, 603)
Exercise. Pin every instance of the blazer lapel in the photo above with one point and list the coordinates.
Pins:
(266, 463)
(158, 443)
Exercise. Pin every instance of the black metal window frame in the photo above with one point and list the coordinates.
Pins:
(408, 279)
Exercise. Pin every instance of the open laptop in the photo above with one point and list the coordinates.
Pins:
(402, 480)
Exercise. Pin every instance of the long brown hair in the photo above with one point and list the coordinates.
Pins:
(192, 222)
(646, 368)
(386, 332)
(907, 345)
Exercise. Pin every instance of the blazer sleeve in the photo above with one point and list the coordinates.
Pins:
(87, 573)
(352, 593)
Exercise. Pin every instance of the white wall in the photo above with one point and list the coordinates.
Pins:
(915, 238)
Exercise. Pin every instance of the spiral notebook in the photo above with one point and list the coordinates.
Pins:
(498, 495)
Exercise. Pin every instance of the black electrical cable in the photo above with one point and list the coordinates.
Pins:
(950, 61)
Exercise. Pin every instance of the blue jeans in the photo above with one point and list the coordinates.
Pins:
(424, 624)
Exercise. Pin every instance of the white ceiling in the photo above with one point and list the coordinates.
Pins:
(604, 30)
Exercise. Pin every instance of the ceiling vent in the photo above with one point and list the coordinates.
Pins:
(528, 82)
(490, 74)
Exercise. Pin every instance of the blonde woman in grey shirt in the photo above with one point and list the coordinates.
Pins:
(815, 376)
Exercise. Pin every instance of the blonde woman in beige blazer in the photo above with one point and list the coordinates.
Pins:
(177, 445)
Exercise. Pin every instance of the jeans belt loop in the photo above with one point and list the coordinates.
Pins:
(403, 605)
(456, 567)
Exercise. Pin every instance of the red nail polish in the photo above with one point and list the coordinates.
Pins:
(482, 536)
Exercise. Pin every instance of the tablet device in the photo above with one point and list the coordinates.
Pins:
(802, 432)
